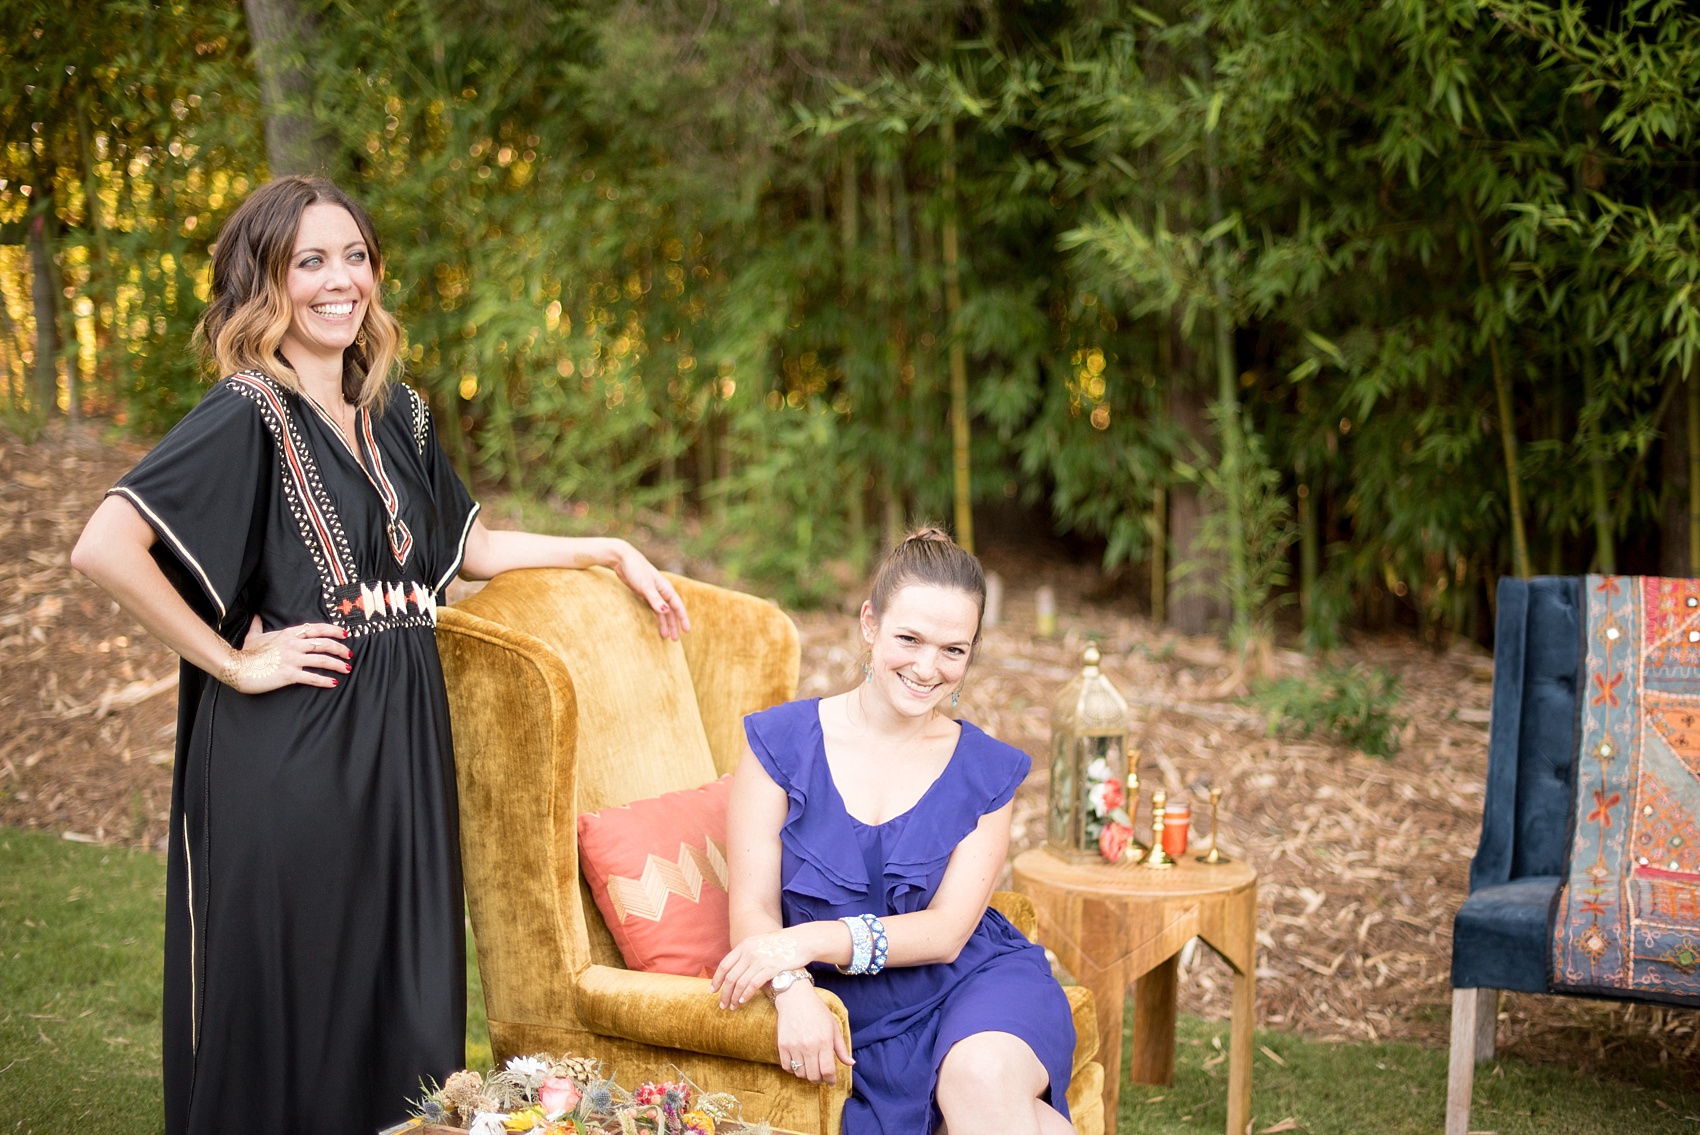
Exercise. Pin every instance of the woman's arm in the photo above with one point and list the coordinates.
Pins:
(761, 948)
(490, 553)
(113, 551)
(810, 1040)
(761, 944)
(938, 933)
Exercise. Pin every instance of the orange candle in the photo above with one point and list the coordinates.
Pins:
(1177, 824)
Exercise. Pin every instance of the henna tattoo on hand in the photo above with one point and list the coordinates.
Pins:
(254, 665)
(776, 948)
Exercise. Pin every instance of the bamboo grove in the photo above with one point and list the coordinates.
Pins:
(1354, 306)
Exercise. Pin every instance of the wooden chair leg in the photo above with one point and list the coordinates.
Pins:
(1475, 1012)
(1487, 1021)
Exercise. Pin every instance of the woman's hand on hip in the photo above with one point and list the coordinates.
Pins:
(811, 1043)
(292, 656)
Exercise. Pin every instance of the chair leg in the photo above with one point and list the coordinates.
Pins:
(1487, 1021)
(1474, 1015)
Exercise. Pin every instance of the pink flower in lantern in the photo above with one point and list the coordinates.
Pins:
(1113, 841)
(1113, 797)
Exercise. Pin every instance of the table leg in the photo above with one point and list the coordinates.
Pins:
(1154, 1024)
(1109, 998)
(1239, 1051)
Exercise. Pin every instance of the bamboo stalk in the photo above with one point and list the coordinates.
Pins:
(1233, 465)
(1310, 545)
(1160, 554)
(1508, 440)
(1693, 474)
(44, 392)
(1605, 539)
(959, 436)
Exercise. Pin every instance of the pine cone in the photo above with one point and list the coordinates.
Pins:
(582, 1069)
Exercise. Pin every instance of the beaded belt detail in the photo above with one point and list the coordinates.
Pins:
(381, 605)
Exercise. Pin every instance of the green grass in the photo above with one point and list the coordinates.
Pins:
(80, 932)
(1391, 1089)
(81, 941)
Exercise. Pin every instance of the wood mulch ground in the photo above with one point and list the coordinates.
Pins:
(1363, 861)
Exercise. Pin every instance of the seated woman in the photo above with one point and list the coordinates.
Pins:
(865, 834)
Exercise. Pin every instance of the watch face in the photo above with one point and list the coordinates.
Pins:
(783, 980)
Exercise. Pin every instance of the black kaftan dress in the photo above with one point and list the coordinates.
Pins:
(314, 949)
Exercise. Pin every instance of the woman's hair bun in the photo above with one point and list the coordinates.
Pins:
(929, 556)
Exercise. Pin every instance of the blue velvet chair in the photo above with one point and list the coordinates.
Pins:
(1500, 935)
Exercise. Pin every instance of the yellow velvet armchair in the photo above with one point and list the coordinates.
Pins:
(563, 698)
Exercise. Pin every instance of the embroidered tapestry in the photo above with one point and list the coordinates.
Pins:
(1627, 919)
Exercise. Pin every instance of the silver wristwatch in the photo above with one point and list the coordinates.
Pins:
(786, 978)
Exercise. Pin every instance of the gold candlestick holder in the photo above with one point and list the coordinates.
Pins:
(1214, 857)
(1135, 849)
(1157, 859)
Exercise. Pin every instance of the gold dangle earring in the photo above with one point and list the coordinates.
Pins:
(360, 337)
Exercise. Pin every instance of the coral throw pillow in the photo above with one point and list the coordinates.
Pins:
(657, 869)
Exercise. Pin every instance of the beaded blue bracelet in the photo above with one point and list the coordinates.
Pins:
(876, 929)
(861, 945)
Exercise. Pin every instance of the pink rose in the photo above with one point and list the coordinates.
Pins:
(557, 1095)
(1113, 841)
(1113, 797)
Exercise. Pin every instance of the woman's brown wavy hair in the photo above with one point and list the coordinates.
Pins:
(249, 313)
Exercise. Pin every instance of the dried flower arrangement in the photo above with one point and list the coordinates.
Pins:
(569, 1095)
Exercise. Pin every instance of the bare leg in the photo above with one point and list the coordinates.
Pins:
(993, 1080)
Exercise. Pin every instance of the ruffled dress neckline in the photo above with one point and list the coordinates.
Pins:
(819, 740)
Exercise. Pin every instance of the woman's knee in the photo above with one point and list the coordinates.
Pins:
(990, 1066)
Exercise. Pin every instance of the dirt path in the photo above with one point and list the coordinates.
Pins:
(1363, 861)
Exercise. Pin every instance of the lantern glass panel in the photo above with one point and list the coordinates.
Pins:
(1089, 726)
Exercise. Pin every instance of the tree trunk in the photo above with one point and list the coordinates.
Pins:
(961, 484)
(282, 32)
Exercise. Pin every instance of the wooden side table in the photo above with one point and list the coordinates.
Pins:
(1112, 925)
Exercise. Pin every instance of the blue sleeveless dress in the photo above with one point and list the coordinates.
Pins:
(903, 1021)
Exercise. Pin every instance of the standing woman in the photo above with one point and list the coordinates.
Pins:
(290, 538)
(864, 835)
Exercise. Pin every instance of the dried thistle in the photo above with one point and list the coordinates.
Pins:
(461, 1091)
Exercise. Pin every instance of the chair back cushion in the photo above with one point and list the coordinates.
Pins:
(639, 731)
(657, 871)
(1532, 739)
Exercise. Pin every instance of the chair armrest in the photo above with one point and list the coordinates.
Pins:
(1019, 909)
(682, 1012)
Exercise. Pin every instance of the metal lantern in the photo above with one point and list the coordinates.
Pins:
(1089, 748)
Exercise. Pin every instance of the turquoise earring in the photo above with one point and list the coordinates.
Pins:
(955, 696)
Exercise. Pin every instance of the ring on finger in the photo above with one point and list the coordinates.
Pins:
(797, 1066)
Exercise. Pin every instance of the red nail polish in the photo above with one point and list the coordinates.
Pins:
(333, 681)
